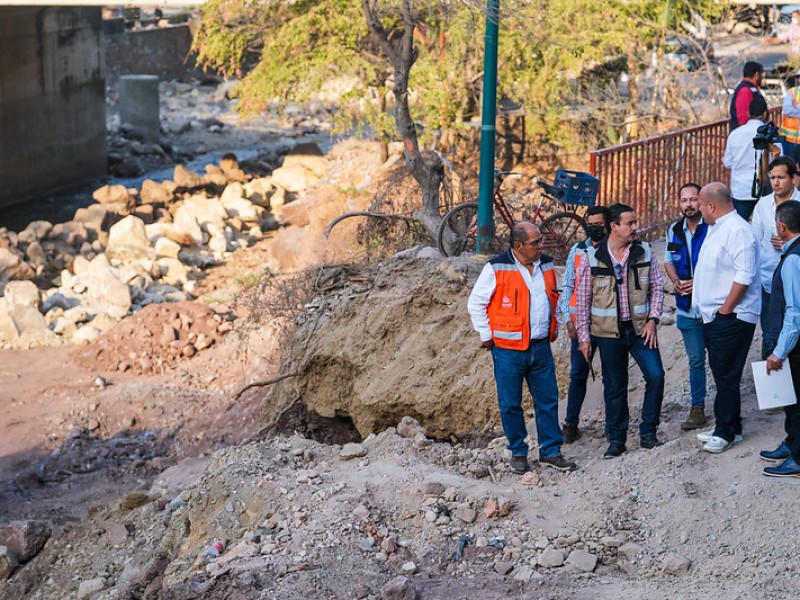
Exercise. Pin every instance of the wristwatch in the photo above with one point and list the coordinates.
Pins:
(655, 319)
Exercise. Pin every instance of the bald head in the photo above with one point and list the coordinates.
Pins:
(715, 201)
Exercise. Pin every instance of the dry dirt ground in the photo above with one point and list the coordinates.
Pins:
(138, 469)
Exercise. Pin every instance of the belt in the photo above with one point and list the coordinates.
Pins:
(541, 341)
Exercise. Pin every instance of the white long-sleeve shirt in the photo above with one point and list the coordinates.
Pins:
(483, 291)
(743, 159)
(729, 255)
(764, 228)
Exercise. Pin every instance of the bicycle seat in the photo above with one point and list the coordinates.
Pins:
(551, 190)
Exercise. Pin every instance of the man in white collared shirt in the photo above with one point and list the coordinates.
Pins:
(728, 296)
(513, 309)
(781, 174)
(744, 161)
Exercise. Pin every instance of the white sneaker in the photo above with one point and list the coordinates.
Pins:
(704, 436)
(717, 445)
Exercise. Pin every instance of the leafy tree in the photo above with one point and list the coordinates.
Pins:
(413, 68)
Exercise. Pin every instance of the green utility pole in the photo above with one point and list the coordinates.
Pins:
(486, 187)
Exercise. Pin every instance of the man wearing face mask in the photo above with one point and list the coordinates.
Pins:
(597, 221)
(684, 239)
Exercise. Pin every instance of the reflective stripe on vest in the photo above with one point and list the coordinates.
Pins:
(509, 307)
(605, 310)
(790, 126)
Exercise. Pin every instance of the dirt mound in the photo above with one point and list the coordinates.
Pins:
(395, 342)
(158, 337)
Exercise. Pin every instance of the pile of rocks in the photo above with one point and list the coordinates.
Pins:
(72, 281)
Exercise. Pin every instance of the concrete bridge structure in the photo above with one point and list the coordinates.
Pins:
(52, 95)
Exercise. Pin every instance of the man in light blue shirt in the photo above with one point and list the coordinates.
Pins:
(783, 323)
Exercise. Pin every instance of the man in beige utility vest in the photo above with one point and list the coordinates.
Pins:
(790, 121)
(619, 298)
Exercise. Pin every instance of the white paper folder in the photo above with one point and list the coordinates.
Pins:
(775, 389)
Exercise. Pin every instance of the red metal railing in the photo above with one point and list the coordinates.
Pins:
(648, 174)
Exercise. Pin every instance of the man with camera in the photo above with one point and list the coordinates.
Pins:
(781, 174)
(745, 157)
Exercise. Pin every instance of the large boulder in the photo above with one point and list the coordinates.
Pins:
(13, 267)
(292, 178)
(105, 289)
(199, 214)
(24, 326)
(25, 538)
(97, 219)
(187, 179)
(23, 293)
(36, 231)
(114, 194)
(153, 192)
(310, 158)
(127, 240)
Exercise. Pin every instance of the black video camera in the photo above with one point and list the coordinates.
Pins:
(767, 134)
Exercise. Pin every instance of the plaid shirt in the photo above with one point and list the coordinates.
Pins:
(583, 292)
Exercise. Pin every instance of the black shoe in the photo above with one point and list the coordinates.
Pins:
(614, 450)
(780, 453)
(519, 464)
(649, 442)
(571, 433)
(558, 463)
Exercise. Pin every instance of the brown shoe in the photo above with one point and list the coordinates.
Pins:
(695, 420)
(571, 433)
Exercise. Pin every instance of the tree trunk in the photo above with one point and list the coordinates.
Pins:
(402, 54)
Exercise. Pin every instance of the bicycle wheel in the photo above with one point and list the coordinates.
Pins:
(455, 233)
(458, 230)
(560, 232)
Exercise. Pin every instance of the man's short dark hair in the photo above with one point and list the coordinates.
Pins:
(690, 184)
(791, 166)
(752, 67)
(758, 106)
(788, 213)
(519, 233)
(617, 210)
(600, 210)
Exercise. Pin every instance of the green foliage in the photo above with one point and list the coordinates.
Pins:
(321, 49)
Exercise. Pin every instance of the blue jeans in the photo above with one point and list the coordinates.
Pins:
(578, 375)
(692, 332)
(535, 366)
(614, 354)
(745, 208)
(728, 341)
(767, 343)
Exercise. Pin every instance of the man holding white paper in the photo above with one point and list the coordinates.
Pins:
(783, 324)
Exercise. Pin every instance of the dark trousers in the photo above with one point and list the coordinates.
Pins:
(728, 342)
(614, 353)
(578, 376)
(792, 421)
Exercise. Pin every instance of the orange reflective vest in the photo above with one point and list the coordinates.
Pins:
(790, 126)
(510, 306)
(579, 256)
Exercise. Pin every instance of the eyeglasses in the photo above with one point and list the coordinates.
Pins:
(537, 242)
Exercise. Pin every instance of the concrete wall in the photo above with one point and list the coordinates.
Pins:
(162, 51)
(52, 100)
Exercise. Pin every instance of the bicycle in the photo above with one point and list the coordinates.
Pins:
(458, 230)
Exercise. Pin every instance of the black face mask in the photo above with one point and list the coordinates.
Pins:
(596, 232)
